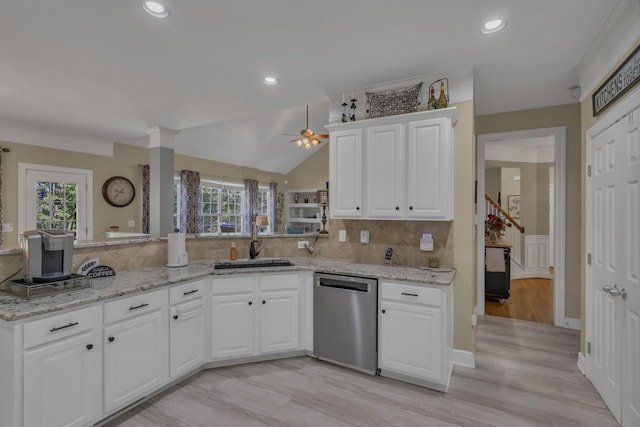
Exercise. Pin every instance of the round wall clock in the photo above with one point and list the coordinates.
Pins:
(118, 191)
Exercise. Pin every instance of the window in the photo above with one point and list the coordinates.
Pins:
(55, 197)
(222, 207)
(263, 208)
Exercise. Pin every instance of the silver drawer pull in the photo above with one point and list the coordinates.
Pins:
(409, 295)
(189, 292)
(138, 306)
(70, 325)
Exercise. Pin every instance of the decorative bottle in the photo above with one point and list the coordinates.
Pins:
(442, 100)
(233, 253)
(433, 103)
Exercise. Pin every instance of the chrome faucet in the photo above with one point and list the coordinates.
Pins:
(254, 249)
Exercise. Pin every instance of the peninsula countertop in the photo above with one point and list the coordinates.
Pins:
(14, 308)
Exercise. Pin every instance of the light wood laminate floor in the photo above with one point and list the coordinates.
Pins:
(526, 375)
(530, 299)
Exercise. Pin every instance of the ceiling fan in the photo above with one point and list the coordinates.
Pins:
(308, 137)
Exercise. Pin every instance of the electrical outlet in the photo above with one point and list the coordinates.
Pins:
(342, 235)
(303, 244)
(7, 227)
(131, 223)
(364, 236)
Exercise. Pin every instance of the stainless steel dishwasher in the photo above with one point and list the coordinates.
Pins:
(345, 321)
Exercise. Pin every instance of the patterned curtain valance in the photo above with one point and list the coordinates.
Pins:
(251, 202)
(190, 202)
(273, 204)
(146, 190)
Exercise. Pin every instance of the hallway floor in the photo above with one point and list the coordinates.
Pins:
(530, 299)
(525, 375)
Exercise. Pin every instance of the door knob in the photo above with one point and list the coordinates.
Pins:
(111, 339)
(89, 346)
(606, 288)
(615, 292)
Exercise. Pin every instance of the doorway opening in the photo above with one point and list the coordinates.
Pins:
(524, 168)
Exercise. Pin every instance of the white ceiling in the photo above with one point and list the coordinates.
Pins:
(104, 69)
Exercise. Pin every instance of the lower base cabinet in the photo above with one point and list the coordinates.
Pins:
(63, 370)
(255, 314)
(135, 349)
(415, 333)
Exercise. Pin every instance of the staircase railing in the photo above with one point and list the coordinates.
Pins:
(513, 233)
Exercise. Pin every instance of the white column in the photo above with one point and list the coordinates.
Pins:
(161, 150)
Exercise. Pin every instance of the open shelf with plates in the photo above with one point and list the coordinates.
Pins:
(302, 212)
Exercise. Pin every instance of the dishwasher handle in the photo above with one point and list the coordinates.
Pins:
(344, 285)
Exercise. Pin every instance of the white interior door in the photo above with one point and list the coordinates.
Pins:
(629, 277)
(605, 319)
(613, 284)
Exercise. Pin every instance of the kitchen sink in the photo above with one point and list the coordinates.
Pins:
(267, 263)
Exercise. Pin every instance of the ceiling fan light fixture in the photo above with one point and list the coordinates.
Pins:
(307, 146)
(493, 26)
(299, 142)
(155, 9)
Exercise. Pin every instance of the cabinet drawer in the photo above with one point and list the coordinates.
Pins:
(60, 326)
(233, 285)
(410, 293)
(279, 282)
(187, 291)
(134, 306)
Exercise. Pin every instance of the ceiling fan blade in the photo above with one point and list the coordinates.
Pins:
(318, 136)
(289, 134)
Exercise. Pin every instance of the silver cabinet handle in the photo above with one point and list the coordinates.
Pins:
(615, 292)
(606, 288)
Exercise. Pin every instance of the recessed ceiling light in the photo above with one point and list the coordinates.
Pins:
(269, 80)
(493, 26)
(156, 9)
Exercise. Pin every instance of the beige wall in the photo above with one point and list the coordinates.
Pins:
(492, 185)
(587, 121)
(125, 162)
(568, 116)
(508, 187)
(454, 241)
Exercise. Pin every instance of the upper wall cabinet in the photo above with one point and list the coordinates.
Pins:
(397, 167)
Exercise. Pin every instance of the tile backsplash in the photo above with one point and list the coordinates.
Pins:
(403, 236)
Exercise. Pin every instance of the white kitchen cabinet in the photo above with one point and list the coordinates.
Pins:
(232, 317)
(279, 313)
(415, 333)
(136, 352)
(430, 169)
(385, 151)
(345, 170)
(187, 321)
(255, 314)
(408, 167)
(63, 370)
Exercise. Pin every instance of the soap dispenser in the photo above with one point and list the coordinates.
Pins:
(233, 253)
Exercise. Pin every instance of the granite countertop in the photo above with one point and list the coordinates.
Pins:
(130, 282)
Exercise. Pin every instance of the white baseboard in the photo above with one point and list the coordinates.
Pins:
(572, 323)
(464, 358)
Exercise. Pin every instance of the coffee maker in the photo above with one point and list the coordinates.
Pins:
(46, 255)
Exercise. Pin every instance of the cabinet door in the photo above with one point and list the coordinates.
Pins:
(430, 169)
(385, 148)
(345, 171)
(186, 337)
(279, 321)
(232, 325)
(411, 340)
(135, 358)
(63, 382)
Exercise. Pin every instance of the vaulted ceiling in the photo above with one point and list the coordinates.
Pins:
(107, 70)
